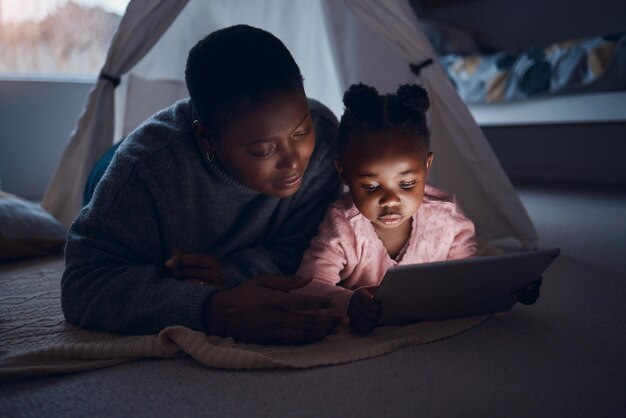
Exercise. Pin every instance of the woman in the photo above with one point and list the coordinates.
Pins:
(238, 176)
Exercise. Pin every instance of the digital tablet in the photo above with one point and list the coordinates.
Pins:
(458, 288)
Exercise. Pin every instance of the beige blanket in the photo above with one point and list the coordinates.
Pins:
(35, 340)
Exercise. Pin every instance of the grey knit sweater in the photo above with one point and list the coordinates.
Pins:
(160, 193)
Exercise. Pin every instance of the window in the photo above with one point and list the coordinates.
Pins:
(57, 37)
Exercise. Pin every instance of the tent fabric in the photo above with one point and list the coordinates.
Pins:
(336, 43)
(301, 25)
(142, 25)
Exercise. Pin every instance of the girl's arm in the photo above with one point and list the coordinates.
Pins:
(330, 258)
(464, 243)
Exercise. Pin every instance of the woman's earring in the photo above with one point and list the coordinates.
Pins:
(210, 156)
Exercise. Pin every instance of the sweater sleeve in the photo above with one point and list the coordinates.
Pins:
(464, 243)
(114, 278)
(328, 259)
(281, 252)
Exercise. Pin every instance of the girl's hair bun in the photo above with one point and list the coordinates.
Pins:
(414, 97)
(360, 97)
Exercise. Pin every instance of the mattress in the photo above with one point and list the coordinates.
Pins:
(36, 341)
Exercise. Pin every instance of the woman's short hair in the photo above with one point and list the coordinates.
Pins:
(234, 68)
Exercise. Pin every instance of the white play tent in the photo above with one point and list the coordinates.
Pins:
(336, 43)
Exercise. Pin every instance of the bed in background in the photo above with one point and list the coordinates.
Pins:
(554, 112)
(572, 81)
(571, 67)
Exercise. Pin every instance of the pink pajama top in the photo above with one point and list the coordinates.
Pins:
(347, 253)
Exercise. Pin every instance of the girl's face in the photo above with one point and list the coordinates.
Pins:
(386, 173)
(268, 146)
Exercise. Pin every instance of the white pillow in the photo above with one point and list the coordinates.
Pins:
(27, 230)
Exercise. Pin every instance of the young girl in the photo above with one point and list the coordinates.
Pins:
(390, 216)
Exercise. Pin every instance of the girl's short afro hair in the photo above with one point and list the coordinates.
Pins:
(368, 111)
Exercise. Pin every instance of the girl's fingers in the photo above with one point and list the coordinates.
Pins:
(365, 301)
(375, 306)
(366, 313)
(369, 314)
(364, 316)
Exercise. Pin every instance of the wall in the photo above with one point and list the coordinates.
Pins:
(516, 25)
(580, 153)
(36, 119)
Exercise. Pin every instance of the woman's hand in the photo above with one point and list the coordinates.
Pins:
(364, 312)
(195, 268)
(263, 311)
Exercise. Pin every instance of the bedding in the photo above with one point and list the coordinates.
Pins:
(36, 341)
(577, 66)
(27, 230)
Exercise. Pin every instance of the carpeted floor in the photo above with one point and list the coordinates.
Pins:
(563, 356)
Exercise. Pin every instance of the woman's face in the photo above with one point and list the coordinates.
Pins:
(267, 147)
(386, 173)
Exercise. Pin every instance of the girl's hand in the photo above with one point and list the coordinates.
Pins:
(364, 312)
(528, 295)
(195, 268)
